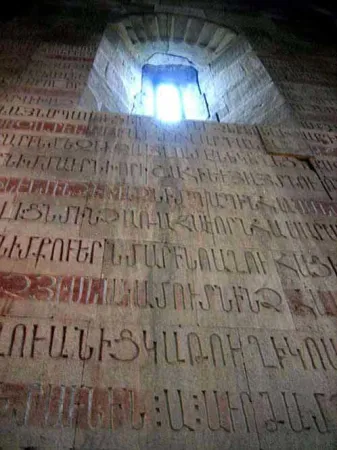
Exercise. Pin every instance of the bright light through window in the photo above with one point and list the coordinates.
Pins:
(190, 102)
(171, 93)
(168, 103)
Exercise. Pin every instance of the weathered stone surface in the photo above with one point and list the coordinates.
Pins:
(326, 169)
(167, 285)
(298, 142)
(37, 252)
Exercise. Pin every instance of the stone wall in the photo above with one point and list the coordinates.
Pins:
(162, 286)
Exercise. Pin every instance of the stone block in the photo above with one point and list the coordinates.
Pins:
(326, 168)
(298, 142)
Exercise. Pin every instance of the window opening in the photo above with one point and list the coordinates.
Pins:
(168, 103)
(171, 93)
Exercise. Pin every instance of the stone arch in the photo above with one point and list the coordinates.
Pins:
(234, 81)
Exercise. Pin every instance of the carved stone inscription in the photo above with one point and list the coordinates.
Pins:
(150, 223)
(43, 252)
(327, 171)
(173, 173)
(224, 349)
(97, 402)
(214, 302)
(202, 199)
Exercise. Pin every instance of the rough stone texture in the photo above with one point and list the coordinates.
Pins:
(167, 286)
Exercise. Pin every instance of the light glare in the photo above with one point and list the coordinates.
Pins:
(190, 103)
(168, 105)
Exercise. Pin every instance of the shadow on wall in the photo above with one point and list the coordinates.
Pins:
(234, 81)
